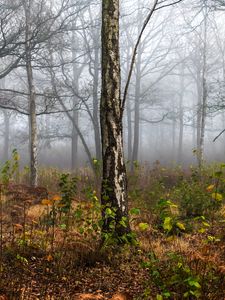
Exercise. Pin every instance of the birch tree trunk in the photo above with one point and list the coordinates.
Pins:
(114, 179)
(32, 97)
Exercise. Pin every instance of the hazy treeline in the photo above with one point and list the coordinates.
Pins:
(50, 81)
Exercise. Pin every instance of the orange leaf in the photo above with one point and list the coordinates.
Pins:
(210, 188)
(49, 258)
(46, 202)
(19, 226)
(56, 198)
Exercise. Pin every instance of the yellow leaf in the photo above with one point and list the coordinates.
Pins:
(171, 238)
(217, 196)
(46, 202)
(95, 198)
(210, 188)
(180, 226)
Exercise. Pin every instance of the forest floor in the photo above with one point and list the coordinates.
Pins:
(50, 237)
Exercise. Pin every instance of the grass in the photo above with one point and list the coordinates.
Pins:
(51, 240)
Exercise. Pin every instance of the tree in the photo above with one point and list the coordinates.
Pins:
(32, 97)
(114, 180)
(25, 42)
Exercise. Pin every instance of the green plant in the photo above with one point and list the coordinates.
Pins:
(10, 168)
(22, 259)
(168, 218)
(111, 238)
(203, 195)
(87, 216)
(68, 188)
(172, 277)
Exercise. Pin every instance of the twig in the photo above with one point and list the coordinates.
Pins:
(219, 135)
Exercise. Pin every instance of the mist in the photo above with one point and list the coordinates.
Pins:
(175, 102)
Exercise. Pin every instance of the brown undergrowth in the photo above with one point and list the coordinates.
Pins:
(52, 253)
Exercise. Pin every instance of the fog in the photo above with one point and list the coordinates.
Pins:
(175, 103)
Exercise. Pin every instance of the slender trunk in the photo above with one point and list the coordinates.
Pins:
(32, 98)
(181, 116)
(173, 132)
(129, 132)
(114, 178)
(161, 139)
(199, 112)
(204, 96)
(129, 117)
(193, 126)
(6, 136)
(74, 140)
(75, 115)
(203, 122)
(136, 113)
(95, 105)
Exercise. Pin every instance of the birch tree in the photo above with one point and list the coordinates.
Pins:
(114, 182)
(114, 178)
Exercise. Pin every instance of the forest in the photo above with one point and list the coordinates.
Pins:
(112, 160)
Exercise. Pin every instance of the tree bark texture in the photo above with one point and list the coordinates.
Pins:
(114, 179)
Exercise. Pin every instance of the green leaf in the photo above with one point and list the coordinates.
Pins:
(123, 223)
(166, 294)
(135, 211)
(108, 212)
(81, 230)
(159, 297)
(63, 226)
(194, 283)
(78, 213)
(218, 174)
